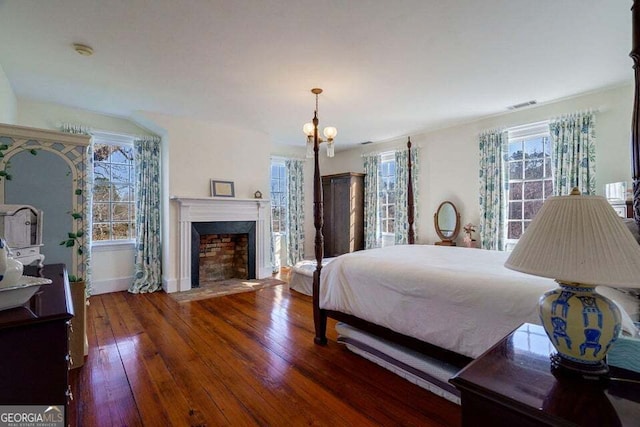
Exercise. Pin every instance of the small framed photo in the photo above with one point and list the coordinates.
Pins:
(222, 188)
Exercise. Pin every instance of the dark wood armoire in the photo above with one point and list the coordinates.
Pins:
(343, 198)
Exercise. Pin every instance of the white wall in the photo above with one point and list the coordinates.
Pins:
(449, 157)
(8, 107)
(46, 115)
(197, 152)
(112, 266)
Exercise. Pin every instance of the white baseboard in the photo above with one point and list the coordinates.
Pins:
(170, 285)
(110, 285)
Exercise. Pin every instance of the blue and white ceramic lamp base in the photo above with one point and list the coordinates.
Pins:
(582, 325)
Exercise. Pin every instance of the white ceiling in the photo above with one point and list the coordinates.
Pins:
(388, 67)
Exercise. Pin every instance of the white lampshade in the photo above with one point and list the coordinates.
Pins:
(308, 129)
(330, 132)
(578, 239)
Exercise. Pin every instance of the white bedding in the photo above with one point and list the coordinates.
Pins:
(460, 299)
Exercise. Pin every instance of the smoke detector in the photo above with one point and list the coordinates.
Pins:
(83, 49)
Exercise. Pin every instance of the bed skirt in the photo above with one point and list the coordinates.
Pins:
(426, 372)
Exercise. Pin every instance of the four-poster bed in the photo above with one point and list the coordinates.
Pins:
(323, 309)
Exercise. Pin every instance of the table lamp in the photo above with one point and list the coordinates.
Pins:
(579, 241)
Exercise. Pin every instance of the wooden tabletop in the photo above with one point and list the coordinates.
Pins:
(46, 304)
(516, 373)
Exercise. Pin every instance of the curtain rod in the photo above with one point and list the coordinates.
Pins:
(91, 130)
(279, 157)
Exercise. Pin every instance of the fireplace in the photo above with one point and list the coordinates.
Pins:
(222, 250)
(195, 211)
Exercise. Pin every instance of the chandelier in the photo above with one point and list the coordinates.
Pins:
(311, 130)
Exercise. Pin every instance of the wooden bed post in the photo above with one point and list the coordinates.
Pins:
(635, 121)
(319, 316)
(412, 236)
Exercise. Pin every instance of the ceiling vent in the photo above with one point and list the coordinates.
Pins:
(522, 105)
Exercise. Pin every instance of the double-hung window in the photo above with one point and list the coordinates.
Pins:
(387, 197)
(530, 176)
(278, 196)
(113, 218)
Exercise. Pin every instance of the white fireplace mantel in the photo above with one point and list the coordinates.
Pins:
(209, 209)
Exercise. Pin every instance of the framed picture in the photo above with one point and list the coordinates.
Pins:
(222, 188)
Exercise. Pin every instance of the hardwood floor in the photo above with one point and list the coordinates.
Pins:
(244, 359)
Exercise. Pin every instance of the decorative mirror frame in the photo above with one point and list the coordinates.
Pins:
(73, 149)
(447, 241)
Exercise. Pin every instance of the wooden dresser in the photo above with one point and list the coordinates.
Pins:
(343, 201)
(35, 344)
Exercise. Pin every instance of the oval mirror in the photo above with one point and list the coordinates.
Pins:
(447, 223)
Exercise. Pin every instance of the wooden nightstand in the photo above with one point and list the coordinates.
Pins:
(512, 385)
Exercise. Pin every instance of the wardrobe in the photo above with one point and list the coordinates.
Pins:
(343, 208)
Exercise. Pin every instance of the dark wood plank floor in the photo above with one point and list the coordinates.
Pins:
(245, 359)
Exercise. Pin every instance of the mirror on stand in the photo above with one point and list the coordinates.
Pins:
(447, 223)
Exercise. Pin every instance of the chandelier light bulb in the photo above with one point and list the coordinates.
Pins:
(330, 132)
(308, 129)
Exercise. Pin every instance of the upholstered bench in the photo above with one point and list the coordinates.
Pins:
(301, 277)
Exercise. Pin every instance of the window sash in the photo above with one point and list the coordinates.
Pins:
(520, 140)
(386, 180)
(113, 220)
(278, 197)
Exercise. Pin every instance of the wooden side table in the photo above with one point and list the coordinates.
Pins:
(512, 385)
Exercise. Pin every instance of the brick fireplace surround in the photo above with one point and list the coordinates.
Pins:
(222, 256)
(213, 209)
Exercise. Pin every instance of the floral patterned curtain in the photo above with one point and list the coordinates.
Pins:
(573, 153)
(493, 189)
(87, 190)
(295, 210)
(148, 260)
(401, 223)
(372, 234)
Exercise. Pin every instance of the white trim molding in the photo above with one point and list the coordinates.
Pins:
(117, 284)
(211, 209)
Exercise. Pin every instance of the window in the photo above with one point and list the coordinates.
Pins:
(113, 189)
(529, 174)
(278, 196)
(387, 193)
